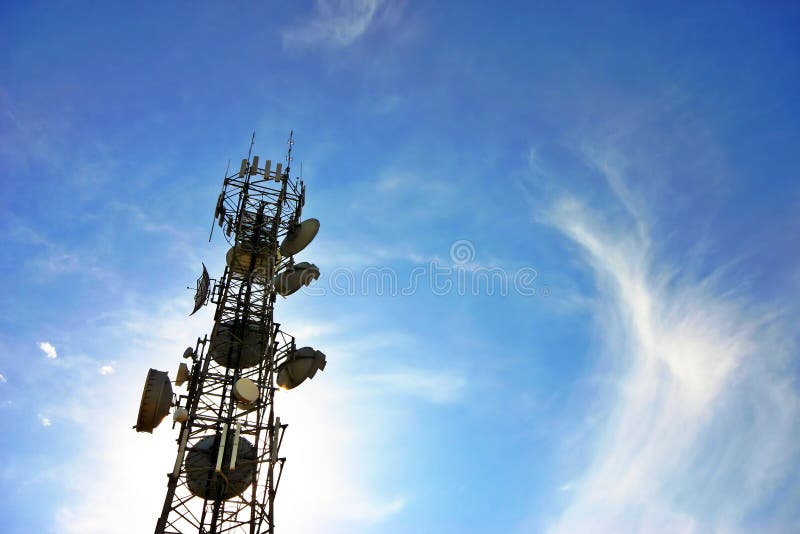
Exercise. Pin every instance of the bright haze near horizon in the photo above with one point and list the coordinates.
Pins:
(559, 254)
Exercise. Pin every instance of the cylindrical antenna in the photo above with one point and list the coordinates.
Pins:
(221, 451)
(289, 153)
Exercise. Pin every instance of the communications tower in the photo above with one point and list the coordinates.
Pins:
(228, 466)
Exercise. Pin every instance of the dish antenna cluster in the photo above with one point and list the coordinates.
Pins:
(228, 466)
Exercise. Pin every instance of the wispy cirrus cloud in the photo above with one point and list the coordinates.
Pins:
(698, 418)
(334, 24)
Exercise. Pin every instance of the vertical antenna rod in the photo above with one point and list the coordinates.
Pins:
(252, 141)
(289, 153)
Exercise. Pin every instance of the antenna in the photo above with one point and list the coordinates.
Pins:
(252, 142)
(290, 142)
(220, 199)
(201, 291)
(299, 236)
(228, 465)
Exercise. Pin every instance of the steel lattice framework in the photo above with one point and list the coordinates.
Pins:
(256, 209)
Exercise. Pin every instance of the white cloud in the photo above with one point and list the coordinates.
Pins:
(700, 416)
(107, 370)
(334, 24)
(44, 420)
(3, 378)
(48, 349)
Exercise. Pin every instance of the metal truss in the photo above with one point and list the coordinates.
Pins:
(256, 208)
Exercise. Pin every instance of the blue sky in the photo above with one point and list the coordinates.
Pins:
(630, 172)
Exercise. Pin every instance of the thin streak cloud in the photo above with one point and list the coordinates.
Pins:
(437, 386)
(334, 24)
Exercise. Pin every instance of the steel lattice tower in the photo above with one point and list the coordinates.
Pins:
(228, 466)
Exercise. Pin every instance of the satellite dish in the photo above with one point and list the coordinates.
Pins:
(300, 365)
(245, 391)
(230, 341)
(182, 375)
(156, 401)
(205, 482)
(201, 294)
(188, 353)
(239, 261)
(181, 415)
(299, 236)
(293, 278)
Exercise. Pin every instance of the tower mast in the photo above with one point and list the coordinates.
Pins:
(228, 467)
